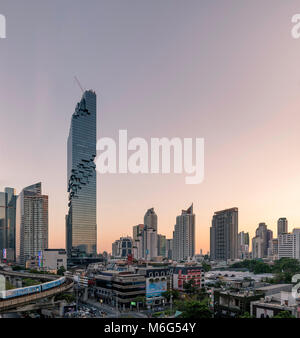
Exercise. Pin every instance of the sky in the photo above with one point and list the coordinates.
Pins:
(227, 71)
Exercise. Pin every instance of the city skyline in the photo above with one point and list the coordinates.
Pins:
(238, 87)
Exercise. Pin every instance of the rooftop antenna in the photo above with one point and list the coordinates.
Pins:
(77, 81)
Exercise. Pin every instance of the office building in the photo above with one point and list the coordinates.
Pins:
(53, 259)
(289, 245)
(119, 289)
(81, 221)
(161, 245)
(169, 248)
(261, 241)
(224, 235)
(184, 235)
(150, 219)
(243, 245)
(149, 243)
(282, 226)
(8, 200)
(122, 247)
(31, 223)
(137, 230)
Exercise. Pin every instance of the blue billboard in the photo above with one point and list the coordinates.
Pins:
(156, 289)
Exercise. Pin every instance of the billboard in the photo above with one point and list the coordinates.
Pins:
(40, 258)
(4, 254)
(155, 289)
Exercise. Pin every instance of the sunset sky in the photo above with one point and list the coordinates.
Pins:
(227, 71)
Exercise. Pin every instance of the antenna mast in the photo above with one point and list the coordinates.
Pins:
(77, 81)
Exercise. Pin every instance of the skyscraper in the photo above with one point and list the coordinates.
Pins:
(282, 226)
(161, 245)
(150, 219)
(243, 245)
(261, 241)
(31, 223)
(8, 221)
(184, 235)
(224, 235)
(136, 231)
(81, 221)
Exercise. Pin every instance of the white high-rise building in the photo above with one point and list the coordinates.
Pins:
(184, 235)
(149, 243)
(289, 244)
(257, 247)
(31, 223)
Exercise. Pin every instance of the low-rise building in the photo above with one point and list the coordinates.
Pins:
(185, 273)
(228, 303)
(53, 259)
(272, 305)
(157, 282)
(119, 289)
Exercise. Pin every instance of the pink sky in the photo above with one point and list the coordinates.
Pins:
(225, 71)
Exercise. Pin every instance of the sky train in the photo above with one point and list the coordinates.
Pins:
(31, 289)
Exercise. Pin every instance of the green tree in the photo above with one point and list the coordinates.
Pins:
(68, 297)
(194, 309)
(246, 315)
(206, 267)
(30, 282)
(175, 295)
(61, 271)
(190, 287)
(284, 314)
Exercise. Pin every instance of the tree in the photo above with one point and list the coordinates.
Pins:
(284, 314)
(206, 267)
(246, 315)
(140, 300)
(190, 287)
(61, 270)
(68, 297)
(174, 293)
(194, 309)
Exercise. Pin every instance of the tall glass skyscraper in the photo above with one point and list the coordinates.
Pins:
(81, 221)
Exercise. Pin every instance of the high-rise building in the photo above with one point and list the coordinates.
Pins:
(282, 226)
(81, 221)
(149, 243)
(31, 223)
(169, 248)
(8, 200)
(289, 245)
(122, 247)
(224, 235)
(184, 235)
(261, 241)
(243, 245)
(137, 230)
(161, 245)
(257, 247)
(273, 249)
(150, 219)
